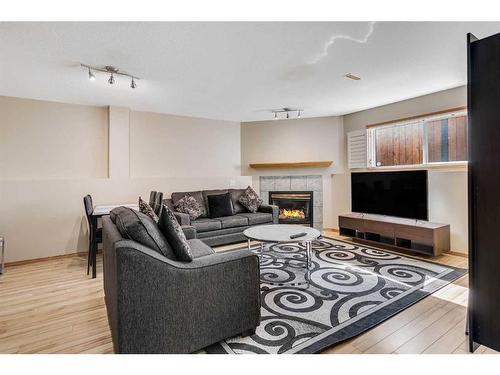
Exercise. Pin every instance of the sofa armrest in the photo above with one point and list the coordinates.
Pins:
(270, 209)
(166, 306)
(189, 231)
(169, 203)
(182, 218)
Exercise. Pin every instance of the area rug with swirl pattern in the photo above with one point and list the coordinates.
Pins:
(352, 288)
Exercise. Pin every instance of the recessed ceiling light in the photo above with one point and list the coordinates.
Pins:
(352, 76)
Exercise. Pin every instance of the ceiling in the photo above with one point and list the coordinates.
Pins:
(235, 71)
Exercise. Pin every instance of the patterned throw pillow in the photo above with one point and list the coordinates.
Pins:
(175, 236)
(188, 205)
(250, 200)
(146, 209)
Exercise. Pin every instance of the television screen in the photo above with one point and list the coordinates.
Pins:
(402, 194)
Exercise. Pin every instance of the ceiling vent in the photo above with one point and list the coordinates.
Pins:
(352, 76)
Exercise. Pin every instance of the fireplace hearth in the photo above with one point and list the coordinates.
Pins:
(295, 207)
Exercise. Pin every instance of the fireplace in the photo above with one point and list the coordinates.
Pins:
(295, 207)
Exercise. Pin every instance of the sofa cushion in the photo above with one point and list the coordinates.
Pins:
(221, 232)
(147, 210)
(206, 193)
(188, 205)
(257, 217)
(250, 199)
(220, 205)
(206, 225)
(233, 221)
(196, 195)
(199, 248)
(172, 230)
(136, 226)
(235, 196)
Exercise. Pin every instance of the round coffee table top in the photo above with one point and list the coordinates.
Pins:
(281, 233)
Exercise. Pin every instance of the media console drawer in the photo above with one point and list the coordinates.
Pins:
(379, 227)
(415, 234)
(403, 234)
(351, 223)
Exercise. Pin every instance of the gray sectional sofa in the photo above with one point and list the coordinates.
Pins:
(222, 230)
(156, 304)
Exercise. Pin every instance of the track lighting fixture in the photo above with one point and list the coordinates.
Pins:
(286, 111)
(112, 71)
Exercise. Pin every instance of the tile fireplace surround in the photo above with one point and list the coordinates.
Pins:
(296, 183)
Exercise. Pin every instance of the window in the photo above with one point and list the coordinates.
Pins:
(419, 141)
(447, 139)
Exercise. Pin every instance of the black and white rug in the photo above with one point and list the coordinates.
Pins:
(352, 289)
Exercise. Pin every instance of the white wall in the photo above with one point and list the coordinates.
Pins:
(52, 154)
(312, 139)
(447, 187)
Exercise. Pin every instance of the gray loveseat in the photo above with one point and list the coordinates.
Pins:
(222, 230)
(159, 305)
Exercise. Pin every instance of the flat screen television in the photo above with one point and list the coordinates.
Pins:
(402, 194)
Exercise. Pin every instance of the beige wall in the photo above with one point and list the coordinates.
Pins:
(166, 145)
(52, 140)
(52, 154)
(296, 140)
(447, 99)
(447, 188)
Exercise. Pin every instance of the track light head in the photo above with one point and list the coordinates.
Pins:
(91, 75)
(112, 71)
(276, 112)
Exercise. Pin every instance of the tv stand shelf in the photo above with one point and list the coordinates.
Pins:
(396, 233)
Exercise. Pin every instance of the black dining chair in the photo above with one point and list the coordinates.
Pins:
(158, 203)
(95, 233)
(152, 199)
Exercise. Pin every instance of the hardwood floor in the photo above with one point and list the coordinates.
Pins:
(52, 306)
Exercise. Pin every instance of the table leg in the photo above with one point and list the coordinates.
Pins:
(248, 244)
(2, 264)
(94, 248)
(308, 259)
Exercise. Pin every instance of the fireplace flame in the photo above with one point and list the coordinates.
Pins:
(294, 213)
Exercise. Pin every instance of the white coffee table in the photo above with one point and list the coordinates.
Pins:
(280, 233)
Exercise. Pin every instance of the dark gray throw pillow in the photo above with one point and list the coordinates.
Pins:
(115, 212)
(220, 205)
(175, 236)
(136, 226)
